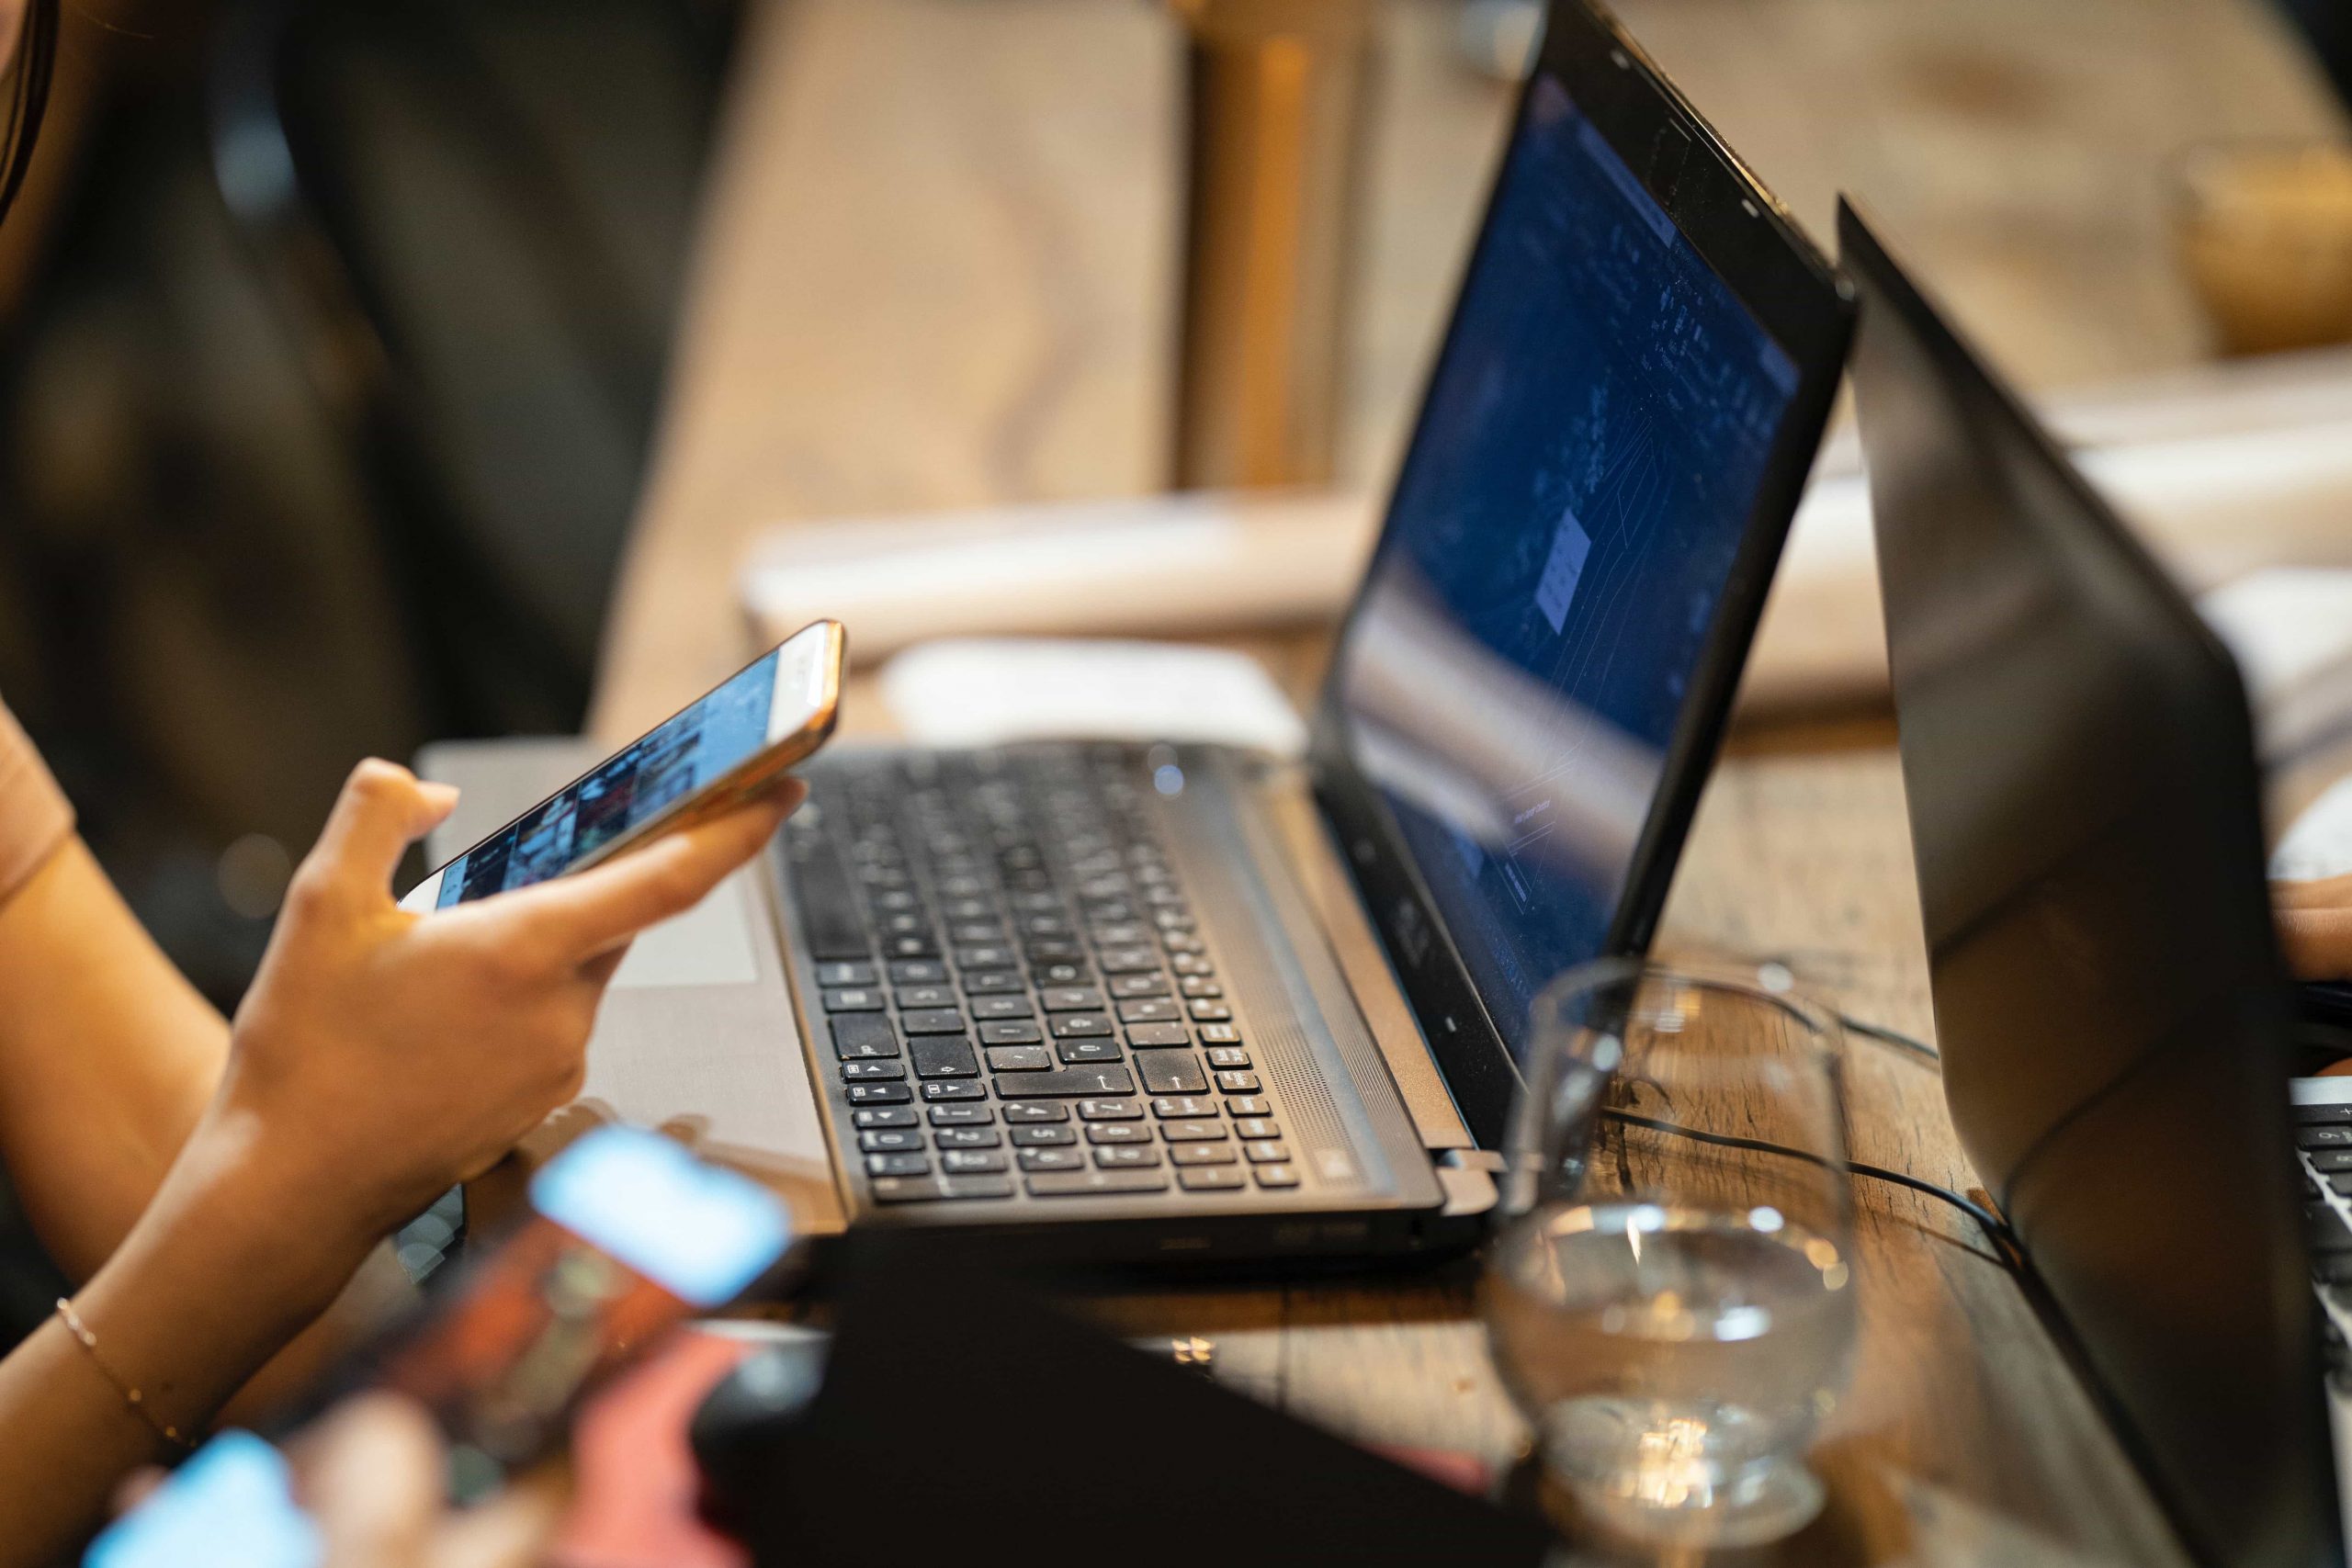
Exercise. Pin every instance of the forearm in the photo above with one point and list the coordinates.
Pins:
(203, 1291)
(109, 1054)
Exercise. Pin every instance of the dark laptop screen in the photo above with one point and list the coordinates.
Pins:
(1596, 432)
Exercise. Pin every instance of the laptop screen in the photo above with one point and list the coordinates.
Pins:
(1598, 429)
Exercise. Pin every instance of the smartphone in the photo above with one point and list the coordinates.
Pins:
(714, 754)
(630, 1235)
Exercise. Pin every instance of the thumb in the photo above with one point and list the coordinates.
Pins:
(383, 808)
(2318, 941)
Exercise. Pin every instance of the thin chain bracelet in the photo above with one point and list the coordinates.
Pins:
(132, 1398)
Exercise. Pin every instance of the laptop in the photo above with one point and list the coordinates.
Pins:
(2116, 1030)
(1114, 1002)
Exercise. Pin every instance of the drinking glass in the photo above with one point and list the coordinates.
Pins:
(1672, 1299)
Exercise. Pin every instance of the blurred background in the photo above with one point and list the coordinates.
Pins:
(368, 362)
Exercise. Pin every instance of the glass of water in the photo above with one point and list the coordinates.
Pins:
(1672, 1299)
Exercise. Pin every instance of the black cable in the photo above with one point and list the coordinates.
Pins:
(1992, 1224)
(1894, 1037)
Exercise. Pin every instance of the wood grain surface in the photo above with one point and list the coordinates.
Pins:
(937, 269)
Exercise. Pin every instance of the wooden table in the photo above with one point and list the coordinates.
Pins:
(937, 270)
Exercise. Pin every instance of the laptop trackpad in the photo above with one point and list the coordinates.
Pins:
(710, 944)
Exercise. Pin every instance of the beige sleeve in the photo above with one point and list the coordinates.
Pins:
(34, 816)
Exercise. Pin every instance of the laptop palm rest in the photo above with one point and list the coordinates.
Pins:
(697, 1035)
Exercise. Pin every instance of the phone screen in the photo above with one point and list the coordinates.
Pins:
(630, 1235)
(772, 697)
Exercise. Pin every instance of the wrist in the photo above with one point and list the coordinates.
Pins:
(291, 1230)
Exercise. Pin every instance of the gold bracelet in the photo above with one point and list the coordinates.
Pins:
(131, 1397)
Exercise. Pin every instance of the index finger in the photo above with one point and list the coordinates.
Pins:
(593, 911)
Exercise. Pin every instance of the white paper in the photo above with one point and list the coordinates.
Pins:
(990, 691)
(2319, 843)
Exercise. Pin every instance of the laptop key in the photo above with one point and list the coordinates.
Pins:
(1171, 1072)
(1039, 1137)
(1094, 1183)
(898, 1164)
(944, 1090)
(1052, 1159)
(1017, 1032)
(993, 982)
(1219, 1035)
(890, 1141)
(965, 1137)
(1248, 1105)
(1110, 1110)
(1205, 1011)
(1239, 1083)
(1200, 986)
(1118, 1133)
(1067, 1083)
(1275, 1175)
(910, 997)
(943, 1056)
(1126, 986)
(1019, 1059)
(1062, 972)
(1126, 1157)
(1070, 998)
(1077, 1052)
(1078, 1026)
(918, 972)
(1149, 1010)
(960, 1116)
(1184, 1106)
(1211, 1179)
(880, 1093)
(994, 1008)
(2323, 1137)
(1147, 1036)
(1026, 1112)
(853, 998)
(1202, 1154)
(1267, 1151)
(933, 1020)
(1192, 1132)
(2331, 1159)
(2311, 1115)
(830, 927)
(1129, 961)
(971, 1162)
(885, 1116)
(838, 974)
(905, 1189)
(1229, 1057)
(862, 1036)
(1256, 1127)
(872, 1072)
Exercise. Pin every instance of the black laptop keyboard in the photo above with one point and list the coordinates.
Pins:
(1012, 986)
(2323, 1138)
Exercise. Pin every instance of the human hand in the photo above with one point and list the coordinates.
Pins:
(2316, 925)
(383, 1056)
(372, 1479)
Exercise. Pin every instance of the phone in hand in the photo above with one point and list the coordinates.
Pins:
(711, 756)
